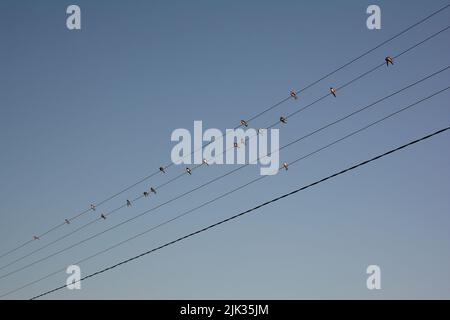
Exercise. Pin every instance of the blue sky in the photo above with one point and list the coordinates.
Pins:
(85, 113)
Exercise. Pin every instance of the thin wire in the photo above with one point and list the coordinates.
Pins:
(317, 182)
(201, 186)
(82, 213)
(253, 181)
(362, 75)
(350, 82)
(359, 57)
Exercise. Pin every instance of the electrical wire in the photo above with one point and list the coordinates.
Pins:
(234, 217)
(240, 187)
(197, 188)
(82, 213)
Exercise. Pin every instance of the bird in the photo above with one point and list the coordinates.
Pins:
(162, 169)
(285, 165)
(294, 94)
(145, 194)
(244, 123)
(236, 145)
(389, 60)
(128, 203)
(93, 207)
(283, 119)
(261, 131)
(189, 171)
(153, 190)
(67, 221)
(205, 162)
(36, 238)
(103, 216)
(333, 91)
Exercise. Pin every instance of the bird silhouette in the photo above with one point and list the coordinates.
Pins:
(294, 95)
(389, 60)
(333, 91)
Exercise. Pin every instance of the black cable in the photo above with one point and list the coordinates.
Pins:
(205, 184)
(251, 119)
(248, 211)
(236, 189)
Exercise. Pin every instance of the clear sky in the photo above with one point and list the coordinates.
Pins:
(85, 113)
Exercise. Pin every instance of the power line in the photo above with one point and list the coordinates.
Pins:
(82, 213)
(359, 57)
(234, 217)
(362, 75)
(190, 191)
(238, 188)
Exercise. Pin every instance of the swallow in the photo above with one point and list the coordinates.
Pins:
(153, 190)
(294, 95)
(260, 131)
(128, 203)
(333, 91)
(93, 207)
(145, 194)
(244, 123)
(162, 169)
(285, 165)
(283, 120)
(189, 171)
(205, 162)
(236, 145)
(389, 60)
(103, 216)
(36, 238)
(67, 221)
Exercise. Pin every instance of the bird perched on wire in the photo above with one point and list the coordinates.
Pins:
(333, 91)
(128, 203)
(103, 216)
(93, 207)
(389, 60)
(36, 238)
(153, 190)
(162, 169)
(260, 131)
(244, 123)
(145, 194)
(205, 162)
(283, 120)
(235, 144)
(189, 171)
(294, 95)
(67, 221)
(285, 165)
